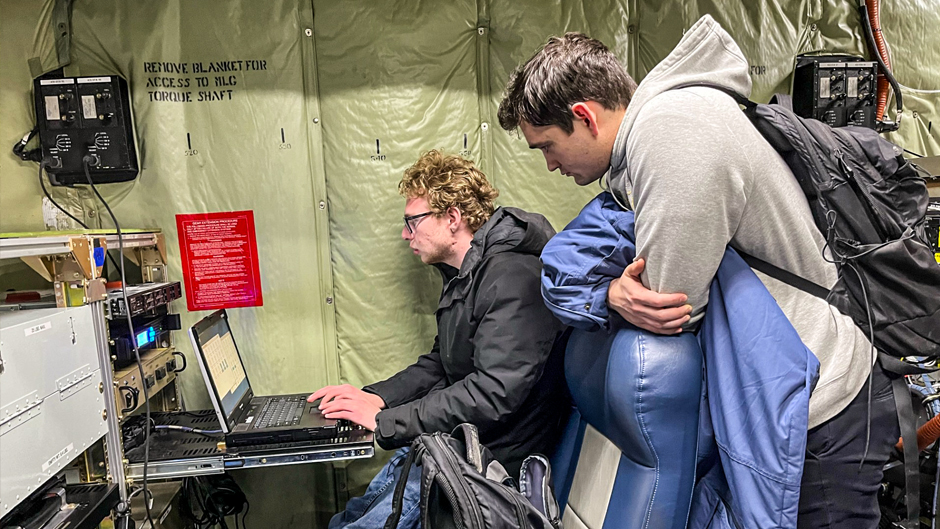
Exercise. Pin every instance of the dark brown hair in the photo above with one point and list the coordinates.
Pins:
(565, 71)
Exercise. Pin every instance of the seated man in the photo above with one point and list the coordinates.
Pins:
(492, 362)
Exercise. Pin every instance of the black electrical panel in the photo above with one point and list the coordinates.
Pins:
(85, 116)
(837, 90)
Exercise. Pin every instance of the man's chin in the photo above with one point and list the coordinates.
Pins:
(584, 180)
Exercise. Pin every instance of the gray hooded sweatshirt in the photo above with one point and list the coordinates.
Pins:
(700, 177)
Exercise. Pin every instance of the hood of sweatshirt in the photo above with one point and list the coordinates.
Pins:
(706, 54)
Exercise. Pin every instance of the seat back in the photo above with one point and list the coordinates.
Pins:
(627, 458)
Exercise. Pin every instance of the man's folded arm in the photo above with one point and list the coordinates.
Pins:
(690, 195)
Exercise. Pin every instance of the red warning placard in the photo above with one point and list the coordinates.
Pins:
(220, 260)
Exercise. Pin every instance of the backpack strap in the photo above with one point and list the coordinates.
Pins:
(787, 277)
(897, 370)
(471, 438)
(743, 101)
(399, 496)
(784, 100)
(902, 399)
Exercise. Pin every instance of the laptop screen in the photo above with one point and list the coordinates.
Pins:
(216, 346)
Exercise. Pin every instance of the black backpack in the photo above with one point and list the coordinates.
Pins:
(871, 205)
(463, 486)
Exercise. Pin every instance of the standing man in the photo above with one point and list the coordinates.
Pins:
(700, 177)
(494, 362)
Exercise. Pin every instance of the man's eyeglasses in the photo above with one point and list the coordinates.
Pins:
(410, 220)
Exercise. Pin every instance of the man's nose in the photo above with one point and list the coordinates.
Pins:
(552, 164)
(405, 234)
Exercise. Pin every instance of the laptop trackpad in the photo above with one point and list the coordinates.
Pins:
(315, 418)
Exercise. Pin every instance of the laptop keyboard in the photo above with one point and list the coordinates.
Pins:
(282, 411)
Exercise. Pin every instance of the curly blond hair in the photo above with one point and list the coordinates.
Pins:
(447, 180)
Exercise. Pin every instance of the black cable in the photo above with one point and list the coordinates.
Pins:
(19, 148)
(187, 429)
(207, 501)
(183, 357)
(133, 392)
(130, 324)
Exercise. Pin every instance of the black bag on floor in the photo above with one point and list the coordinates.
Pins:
(463, 486)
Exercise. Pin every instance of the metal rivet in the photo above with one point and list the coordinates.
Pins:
(631, 29)
(481, 31)
(329, 300)
(587, 306)
(316, 120)
(484, 126)
(308, 32)
(322, 205)
(813, 27)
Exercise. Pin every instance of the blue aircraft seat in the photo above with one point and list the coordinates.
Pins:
(627, 458)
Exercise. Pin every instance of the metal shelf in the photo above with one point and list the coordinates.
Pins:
(176, 454)
(13, 246)
(201, 466)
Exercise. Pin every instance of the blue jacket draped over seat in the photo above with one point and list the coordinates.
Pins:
(747, 458)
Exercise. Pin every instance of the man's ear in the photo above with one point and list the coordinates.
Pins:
(584, 113)
(453, 218)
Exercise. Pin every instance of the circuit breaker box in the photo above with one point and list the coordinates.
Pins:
(52, 404)
(86, 116)
(837, 90)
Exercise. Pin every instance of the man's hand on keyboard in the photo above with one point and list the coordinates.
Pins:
(345, 391)
(359, 411)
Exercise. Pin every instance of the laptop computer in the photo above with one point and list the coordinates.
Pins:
(245, 418)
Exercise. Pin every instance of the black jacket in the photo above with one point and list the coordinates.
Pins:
(497, 360)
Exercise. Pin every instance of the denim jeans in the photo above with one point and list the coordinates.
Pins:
(371, 510)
